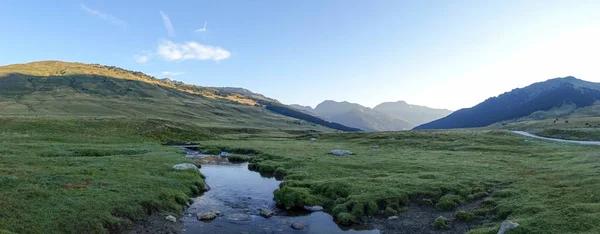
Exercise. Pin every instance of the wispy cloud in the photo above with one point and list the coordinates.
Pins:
(168, 73)
(142, 58)
(104, 16)
(168, 25)
(172, 51)
(201, 29)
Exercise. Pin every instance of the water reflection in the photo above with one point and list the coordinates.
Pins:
(238, 192)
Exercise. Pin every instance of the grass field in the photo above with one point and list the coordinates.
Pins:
(565, 122)
(83, 175)
(546, 187)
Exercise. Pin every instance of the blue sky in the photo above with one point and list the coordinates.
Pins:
(446, 54)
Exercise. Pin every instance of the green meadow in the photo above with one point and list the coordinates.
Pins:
(544, 186)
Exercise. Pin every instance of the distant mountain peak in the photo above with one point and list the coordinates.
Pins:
(522, 102)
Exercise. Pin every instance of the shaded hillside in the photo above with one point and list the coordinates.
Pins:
(412, 113)
(306, 109)
(542, 96)
(357, 116)
(55, 88)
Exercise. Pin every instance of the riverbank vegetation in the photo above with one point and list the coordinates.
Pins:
(547, 187)
(91, 175)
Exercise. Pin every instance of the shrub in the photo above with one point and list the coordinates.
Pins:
(345, 218)
(448, 202)
(465, 216)
(389, 211)
(441, 223)
(280, 171)
(293, 197)
(426, 202)
(478, 195)
(238, 158)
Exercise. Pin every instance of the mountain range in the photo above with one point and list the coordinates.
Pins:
(523, 102)
(387, 116)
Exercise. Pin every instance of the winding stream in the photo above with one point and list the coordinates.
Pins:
(238, 194)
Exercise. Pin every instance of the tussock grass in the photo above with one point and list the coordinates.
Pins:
(545, 186)
(66, 175)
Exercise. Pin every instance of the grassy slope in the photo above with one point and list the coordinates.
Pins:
(547, 187)
(583, 123)
(48, 89)
(66, 175)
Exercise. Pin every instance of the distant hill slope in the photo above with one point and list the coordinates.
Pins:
(56, 88)
(306, 109)
(357, 116)
(413, 113)
(522, 102)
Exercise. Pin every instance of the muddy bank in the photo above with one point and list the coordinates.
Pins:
(419, 219)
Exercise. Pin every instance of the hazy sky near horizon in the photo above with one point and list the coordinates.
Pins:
(444, 54)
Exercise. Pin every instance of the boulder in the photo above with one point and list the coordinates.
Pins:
(312, 139)
(507, 225)
(208, 215)
(375, 147)
(266, 212)
(185, 166)
(224, 154)
(341, 152)
(313, 208)
(171, 218)
(299, 225)
(393, 217)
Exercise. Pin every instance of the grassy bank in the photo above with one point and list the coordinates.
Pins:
(547, 187)
(580, 128)
(86, 175)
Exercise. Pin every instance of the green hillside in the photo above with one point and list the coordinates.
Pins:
(53, 88)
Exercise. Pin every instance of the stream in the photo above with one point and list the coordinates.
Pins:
(239, 193)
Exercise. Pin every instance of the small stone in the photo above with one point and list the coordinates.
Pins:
(171, 218)
(299, 225)
(313, 208)
(507, 225)
(267, 213)
(185, 166)
(224, 154)
(392, 217)
(375, 147)
(312, 139)
(341, 152)
(216, 212)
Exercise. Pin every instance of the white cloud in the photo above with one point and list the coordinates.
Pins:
(168, 25)
(104, 16)
(172, 51)
(168, 73)
(142, 58)
(201, 29)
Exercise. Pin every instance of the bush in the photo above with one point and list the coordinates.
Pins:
(441, 223)
(389, 211)
(345, 218)
(238, 158)
(426, 202)
(293, 197)
(465, 216)
(448, 202)
(332, 190)
(280, 171)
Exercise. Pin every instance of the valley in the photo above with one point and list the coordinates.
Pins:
(82, 152)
